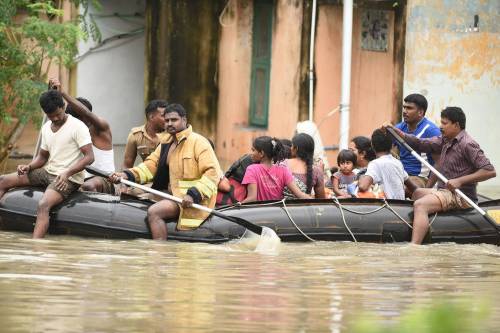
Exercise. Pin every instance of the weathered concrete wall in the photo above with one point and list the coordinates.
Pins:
(234, 137)
(453, 65)
(182, 44)
(112, 75)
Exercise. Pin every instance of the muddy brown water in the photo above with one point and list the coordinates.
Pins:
(69, 284)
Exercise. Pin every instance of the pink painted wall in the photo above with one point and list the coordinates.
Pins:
(371, 89)
(371, 79)
(234, 137)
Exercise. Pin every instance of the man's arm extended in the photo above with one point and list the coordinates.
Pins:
(478, 176)
(81, 110)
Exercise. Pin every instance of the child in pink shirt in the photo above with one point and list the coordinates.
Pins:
(267, 179)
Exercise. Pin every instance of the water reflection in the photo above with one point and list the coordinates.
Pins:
(66, 284)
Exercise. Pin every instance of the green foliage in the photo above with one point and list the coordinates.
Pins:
(32, 38)
(441, 317)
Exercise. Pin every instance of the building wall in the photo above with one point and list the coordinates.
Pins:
(112, 75)
(182, 51)
(454, 65)
(372, 72)
(234, 137)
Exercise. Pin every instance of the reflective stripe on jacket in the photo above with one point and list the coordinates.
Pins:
(192, 164)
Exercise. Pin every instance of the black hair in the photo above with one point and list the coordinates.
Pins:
(211, 143)
(419, 100)
(304, 144)
(364, 145)
(84, 101)
(51, 100)
(271, 147)
(346, 155)
(381, 141)
(288, 147)
(455, 115)
(177, 108)
(154, 105)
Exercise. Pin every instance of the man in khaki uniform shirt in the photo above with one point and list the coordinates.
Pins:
(143, 140)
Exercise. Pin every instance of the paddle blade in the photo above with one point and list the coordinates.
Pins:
(267, 242)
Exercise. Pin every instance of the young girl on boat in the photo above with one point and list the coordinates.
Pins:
(346, 160)
(267, 179)
(307, 176)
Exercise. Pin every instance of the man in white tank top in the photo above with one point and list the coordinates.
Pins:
(102, 143)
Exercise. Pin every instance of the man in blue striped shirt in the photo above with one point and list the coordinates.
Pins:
(415, 123)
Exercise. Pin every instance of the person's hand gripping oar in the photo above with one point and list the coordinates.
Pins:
(267, 235)
(398, 137)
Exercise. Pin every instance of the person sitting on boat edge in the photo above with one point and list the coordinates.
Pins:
(184, 165)
(267, 178)
(414, 122)
(462, 162)
(102, 142)
(143, 140)
(307, 176)
(346, 161)
(66, 148)
(362, 147)
(385, 170)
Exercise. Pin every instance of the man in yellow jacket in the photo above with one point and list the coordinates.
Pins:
(185, 165)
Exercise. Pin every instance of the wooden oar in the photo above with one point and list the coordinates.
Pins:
(442, 177)
(244, 223)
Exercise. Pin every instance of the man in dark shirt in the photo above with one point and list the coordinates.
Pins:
(463, 163)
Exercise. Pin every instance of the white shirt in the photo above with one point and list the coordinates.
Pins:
(388, 172)
(64, 146)
(103, 160)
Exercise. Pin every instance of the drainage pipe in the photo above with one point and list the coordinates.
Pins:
(311, 63)
(346, 74)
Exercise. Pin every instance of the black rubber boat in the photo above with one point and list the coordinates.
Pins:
(367, 220)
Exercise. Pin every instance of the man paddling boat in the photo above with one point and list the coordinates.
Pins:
(463, 162)
(415, 123)
(183, 164)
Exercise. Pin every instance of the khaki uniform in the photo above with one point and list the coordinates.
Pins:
(140, 143)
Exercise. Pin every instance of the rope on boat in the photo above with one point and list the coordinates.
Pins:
(433, 219)
(341, 208)
(395, 213)
(343, 218)
(363, 213)
(293, 222)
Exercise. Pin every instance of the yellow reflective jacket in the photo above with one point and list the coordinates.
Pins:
(192, 164)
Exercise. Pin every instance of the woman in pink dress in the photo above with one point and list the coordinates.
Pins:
(267, 179)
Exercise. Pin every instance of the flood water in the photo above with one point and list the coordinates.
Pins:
(65, 284)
